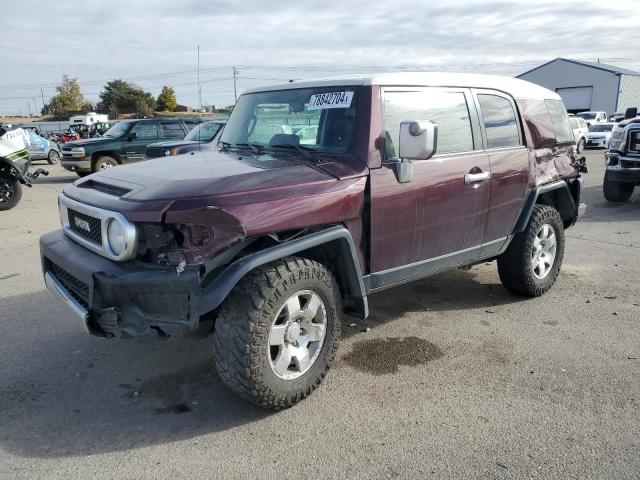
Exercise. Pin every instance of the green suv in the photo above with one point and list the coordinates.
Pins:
(124, 142)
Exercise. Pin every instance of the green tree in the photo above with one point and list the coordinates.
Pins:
(119, 97)
(167, 99)
(68, 100)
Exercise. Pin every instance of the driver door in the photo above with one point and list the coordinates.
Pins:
(145, 133)
(437, 219)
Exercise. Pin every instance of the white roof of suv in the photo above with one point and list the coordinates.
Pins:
(513, 86)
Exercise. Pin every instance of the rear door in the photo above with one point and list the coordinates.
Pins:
(508, 158)
(145, 133)
(439, 216)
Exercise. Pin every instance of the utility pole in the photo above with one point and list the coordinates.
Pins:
(235, 87)
(42, 93)
(35, 106)
(29, 105)
(199, 90)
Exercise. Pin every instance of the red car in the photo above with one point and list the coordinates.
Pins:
(274, 236)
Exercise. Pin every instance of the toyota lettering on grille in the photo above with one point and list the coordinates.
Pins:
(83, 224)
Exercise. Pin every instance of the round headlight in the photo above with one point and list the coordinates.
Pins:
(115, 237)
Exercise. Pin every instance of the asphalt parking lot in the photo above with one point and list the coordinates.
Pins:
(457, 378)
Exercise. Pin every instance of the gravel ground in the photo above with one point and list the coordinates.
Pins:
(457, 378)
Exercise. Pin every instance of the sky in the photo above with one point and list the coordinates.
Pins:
(154, 42)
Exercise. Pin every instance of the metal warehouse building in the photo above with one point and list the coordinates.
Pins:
(588, 86)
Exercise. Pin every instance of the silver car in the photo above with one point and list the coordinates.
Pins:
(42, 149)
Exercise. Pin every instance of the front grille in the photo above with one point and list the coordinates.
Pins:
(634, 141)
(78, 222)
(155, 152)
(78, 289)
(66, 153)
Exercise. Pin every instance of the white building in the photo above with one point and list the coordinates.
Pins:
(587, 85)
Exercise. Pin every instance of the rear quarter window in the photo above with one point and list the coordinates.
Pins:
(560, 121)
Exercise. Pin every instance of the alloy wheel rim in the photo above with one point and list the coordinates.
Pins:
(106, 165)
(544, 251)
(297, 333)
(54, 156)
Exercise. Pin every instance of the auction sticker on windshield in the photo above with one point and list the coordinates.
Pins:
(330, 100)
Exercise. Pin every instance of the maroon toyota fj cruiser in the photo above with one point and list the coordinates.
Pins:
(320, 194)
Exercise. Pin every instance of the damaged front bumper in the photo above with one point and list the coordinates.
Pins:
(120, 298)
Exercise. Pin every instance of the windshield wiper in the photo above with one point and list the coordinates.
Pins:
(255, 148)
(306, 151)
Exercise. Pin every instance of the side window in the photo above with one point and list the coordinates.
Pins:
(560, 121)
(171, 130)
(146, 130)
(500, 121)
(448, 110)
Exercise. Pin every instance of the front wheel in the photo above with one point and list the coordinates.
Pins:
(531, 263)
(10, 191)
(617, 192)
(104, 163)
(276, 334)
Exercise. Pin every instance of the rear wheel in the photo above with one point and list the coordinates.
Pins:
(616, 191)
(532, 262)
(103, 163)
(10, 191)
(53, 157)
(276, 334)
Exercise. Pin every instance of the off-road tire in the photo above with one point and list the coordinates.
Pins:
(580, 146)
(241, 338)
(15, 196)
(53, 157)
(616, 192)
(514, 265)
(102, 161)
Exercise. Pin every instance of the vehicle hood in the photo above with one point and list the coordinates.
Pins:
(206, 179)
(173, 143)
(89, 142)
(598, 134)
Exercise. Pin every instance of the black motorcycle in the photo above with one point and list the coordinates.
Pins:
(14, 167)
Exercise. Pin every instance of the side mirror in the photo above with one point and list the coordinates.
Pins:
(418, 141)
(631, 113)
(132, 136)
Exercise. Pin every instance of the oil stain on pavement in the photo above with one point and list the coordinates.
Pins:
(382, 356)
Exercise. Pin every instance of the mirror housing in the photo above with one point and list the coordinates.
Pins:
(631, 113)
(132, 136)
(418, 141)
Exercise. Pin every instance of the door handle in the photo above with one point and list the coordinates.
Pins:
(476, 177)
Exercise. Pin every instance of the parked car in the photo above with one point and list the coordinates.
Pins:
(593, 117)
(599, 134)
(623, 160)
(203, 137)
(580, 129)
(271, 241)
(124, 142)
(41, 148)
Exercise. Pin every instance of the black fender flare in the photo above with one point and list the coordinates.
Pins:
(215, 292)
(570, 193)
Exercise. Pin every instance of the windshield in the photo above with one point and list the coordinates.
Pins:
(117, 130)
(587, 115)
(203, 132)
(600, 128)
(317, 119)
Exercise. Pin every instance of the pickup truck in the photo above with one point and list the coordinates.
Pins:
(269, 240)
(125, 142)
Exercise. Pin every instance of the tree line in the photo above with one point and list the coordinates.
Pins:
(117, 97)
